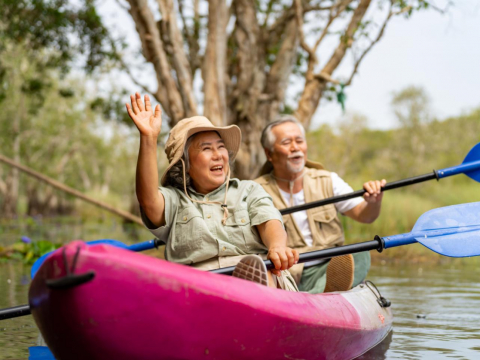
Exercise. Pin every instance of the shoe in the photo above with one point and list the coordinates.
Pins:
(252, 268)
(340, 272)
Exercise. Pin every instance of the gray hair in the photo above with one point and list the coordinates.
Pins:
(268, 139)
(175, 174)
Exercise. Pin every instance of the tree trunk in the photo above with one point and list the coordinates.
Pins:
(10, 200)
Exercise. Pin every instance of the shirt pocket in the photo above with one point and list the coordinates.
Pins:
(188, 231)
(239, 229)
(328, 224)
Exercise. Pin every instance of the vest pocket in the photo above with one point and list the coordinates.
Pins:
(328, 224)
(239, 229)
(293, 238)
(188, 231)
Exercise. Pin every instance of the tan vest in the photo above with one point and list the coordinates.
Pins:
(324, 222)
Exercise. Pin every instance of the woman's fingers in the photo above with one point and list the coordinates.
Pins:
(158, 112)
(148, 105)
(284, 260)
(296, 255)
(291, 258)
(130, 111)
(275, 259)
(134, 105)
(139, 101)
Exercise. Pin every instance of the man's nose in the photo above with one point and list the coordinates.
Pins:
(294, 146)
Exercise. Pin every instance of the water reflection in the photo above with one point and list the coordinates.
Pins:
(379, 352)
(449, 297)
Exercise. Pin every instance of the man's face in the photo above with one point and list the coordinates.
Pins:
(289, 150)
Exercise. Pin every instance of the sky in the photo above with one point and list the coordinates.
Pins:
(440, 53)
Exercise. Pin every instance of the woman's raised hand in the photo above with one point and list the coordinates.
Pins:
(148, 122)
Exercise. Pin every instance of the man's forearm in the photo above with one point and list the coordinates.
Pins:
(365, 212)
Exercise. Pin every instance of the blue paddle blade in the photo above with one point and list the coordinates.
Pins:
(451, 231)
(473, 156)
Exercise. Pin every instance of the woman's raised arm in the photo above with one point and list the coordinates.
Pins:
(149, 124)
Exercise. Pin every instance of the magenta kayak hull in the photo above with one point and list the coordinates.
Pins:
(138, 307)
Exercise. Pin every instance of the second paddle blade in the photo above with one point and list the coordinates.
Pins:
(473, 156)
(463, 220)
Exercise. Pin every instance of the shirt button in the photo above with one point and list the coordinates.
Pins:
(243, 220)
(206, 199)
(327, 217)
(184, 218)
(224, 248)
(209, 216)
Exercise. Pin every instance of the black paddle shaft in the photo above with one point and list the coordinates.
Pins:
(13, 312)
(312, 257)
(358, 193)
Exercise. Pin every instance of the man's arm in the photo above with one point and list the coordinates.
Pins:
(368, 210)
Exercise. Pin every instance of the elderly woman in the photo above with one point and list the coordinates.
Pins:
(207, 219)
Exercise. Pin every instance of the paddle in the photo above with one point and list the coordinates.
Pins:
(469, 167)
(451, 231)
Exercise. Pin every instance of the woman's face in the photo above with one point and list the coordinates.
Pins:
(208, 161)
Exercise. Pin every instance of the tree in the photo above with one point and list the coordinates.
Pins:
(55, 132)
(247, 52)
(411, 106)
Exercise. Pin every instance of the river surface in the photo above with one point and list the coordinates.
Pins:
(436, 311)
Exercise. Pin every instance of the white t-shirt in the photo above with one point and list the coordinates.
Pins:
(340, 187)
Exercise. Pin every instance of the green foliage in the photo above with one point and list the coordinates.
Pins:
(418, 146)
(60, 135)
(27, 252)
(50, 24)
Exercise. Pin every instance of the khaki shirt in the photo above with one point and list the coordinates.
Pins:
(324, 223)
(194, 233)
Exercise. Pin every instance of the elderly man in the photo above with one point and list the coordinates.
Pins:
(292, 180)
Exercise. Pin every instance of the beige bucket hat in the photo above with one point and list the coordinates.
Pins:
(185, 128)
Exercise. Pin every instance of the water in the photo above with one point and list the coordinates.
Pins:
(446, 297)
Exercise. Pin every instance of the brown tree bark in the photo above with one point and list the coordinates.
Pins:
(247, 62)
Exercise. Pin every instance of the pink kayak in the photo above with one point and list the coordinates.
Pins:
(102, 302)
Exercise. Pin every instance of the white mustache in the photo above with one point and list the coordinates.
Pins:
(296, 154)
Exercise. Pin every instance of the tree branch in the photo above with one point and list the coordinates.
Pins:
(214, 63)
(126, 68)
(299, 18)
(315, 86)
(250, 58)
(192, 35)
(372, 43)
(154, 52)
(179, 58)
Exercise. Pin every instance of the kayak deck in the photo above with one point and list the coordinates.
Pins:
(138, 307)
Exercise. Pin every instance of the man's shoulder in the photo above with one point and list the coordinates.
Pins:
(264, 179)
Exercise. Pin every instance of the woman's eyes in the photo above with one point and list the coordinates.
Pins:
(210, 148)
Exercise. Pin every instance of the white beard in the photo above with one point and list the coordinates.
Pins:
(295, 168)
